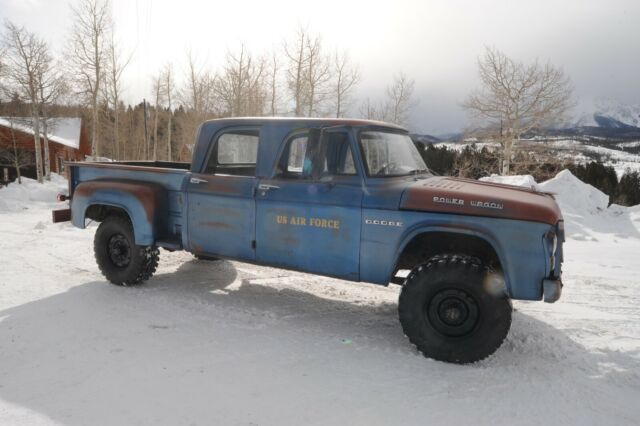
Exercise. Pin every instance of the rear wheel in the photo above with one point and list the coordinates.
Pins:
(120, 260)
(448, 314)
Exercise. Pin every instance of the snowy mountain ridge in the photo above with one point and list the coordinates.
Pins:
(611, 114)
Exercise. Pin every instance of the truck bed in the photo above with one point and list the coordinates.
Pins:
(169, 176)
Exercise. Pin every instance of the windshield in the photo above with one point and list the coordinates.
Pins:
(390, 154)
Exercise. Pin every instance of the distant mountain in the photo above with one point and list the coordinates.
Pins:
(425, 139)
(610, 134)
(611, 114)
(610, 122)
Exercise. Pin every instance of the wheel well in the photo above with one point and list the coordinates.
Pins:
(426, 245)
(99, 212)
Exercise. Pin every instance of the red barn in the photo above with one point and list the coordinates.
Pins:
(67, 142)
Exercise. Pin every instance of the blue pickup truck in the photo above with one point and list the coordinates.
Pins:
(351, 199)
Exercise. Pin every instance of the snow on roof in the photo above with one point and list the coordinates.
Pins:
(62, 130)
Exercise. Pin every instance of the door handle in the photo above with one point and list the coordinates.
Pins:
(198, 180)
(267, 187)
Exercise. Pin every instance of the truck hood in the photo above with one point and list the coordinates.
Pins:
(474, 198)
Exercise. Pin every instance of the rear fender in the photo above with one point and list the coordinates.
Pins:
(144, 203)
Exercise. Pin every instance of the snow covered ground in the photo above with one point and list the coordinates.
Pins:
(227, 343)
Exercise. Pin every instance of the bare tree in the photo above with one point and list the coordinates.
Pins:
(51, 86)
(318, 74)
(296, 53)
(517, 97)
(169, 89)
(346, 78)
(308, 72)
(371, 111)
(88, 44)
(24, 60)
(157, 89)
(197, 98)
(399, 99)
(112, 89)
(273, 84)
(197, 94)
(15, 157)
(2, 68)
(396, 106)
(240, 86)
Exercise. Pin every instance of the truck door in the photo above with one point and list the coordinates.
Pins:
(221, 204)
(308, 212)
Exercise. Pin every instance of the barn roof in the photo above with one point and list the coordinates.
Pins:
(62, 130)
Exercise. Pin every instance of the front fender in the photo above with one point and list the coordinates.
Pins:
(422, 229)
(518, 244)
(144, 203)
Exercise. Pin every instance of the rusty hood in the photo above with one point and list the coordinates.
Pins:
(475, 198)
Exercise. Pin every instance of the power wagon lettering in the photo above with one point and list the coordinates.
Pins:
(453, 201)
(487, 205)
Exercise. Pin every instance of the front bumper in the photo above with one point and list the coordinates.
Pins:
(552, 289)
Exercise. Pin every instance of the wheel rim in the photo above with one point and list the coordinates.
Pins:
(119, 250)
(452, 312)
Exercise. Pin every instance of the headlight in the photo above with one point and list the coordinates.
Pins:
(561, 230)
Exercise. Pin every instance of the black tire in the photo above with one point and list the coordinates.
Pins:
(119, 259)
(205, 257)
(447, 313)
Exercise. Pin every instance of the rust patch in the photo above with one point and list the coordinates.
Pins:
(456, 196)
(216, 184)
(290, 241)
(146, 193)
(216, 225)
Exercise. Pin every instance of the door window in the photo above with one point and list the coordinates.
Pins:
(330, 157)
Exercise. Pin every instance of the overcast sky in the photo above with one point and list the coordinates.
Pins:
(434, 42)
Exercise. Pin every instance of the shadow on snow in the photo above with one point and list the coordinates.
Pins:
(184, 348)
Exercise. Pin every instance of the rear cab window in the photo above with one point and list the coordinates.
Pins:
(235, 153)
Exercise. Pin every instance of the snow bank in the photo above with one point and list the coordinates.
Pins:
(574, 195)
(586, 209)
(523, 180)
(16, 197)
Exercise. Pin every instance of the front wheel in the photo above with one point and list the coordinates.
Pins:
(448, 312)
(120, 260)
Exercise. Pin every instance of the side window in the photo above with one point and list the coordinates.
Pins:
(234, 153)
